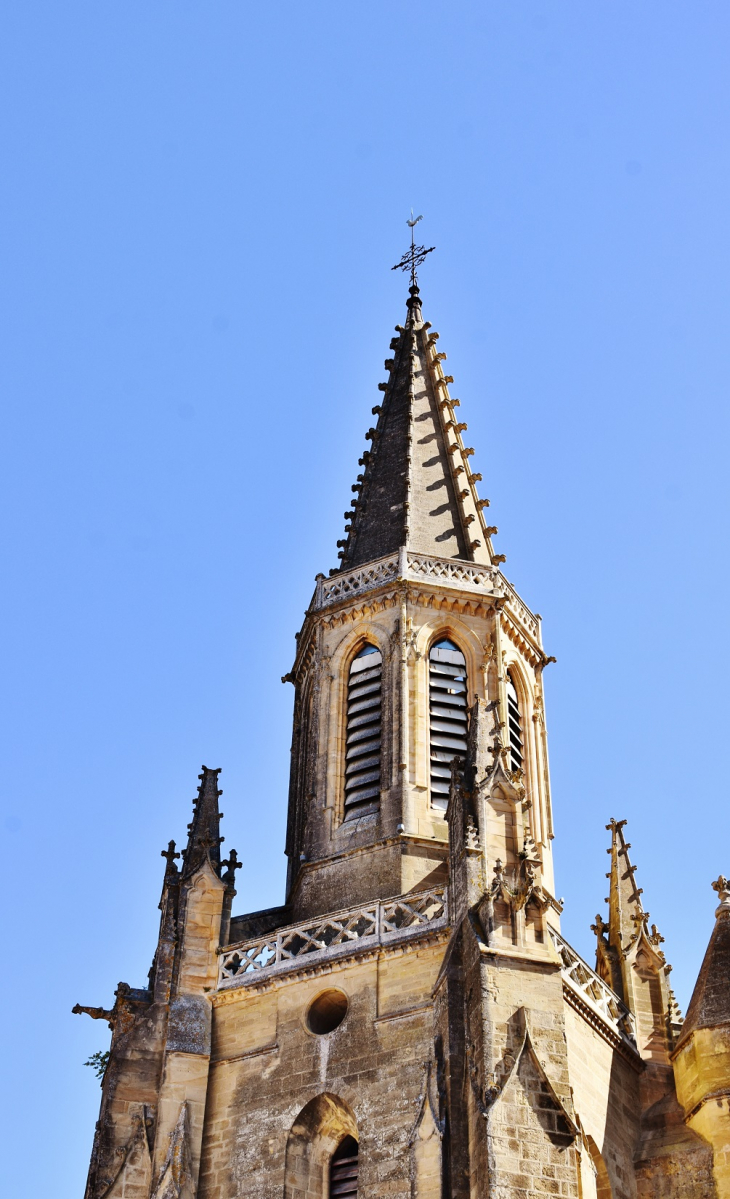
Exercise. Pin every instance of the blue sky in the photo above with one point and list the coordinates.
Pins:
(200, 206)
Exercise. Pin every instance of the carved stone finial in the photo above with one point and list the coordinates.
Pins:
(231, 865)
(600, 927)
(722, 886)
(170, 855)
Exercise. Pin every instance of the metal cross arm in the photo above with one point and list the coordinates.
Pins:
(415, 256)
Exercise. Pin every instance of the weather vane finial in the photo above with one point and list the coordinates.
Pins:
(415, 256)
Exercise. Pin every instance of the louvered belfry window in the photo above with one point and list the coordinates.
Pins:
(362, 759)
(515, 726)
(447, 715)
(343, 1170)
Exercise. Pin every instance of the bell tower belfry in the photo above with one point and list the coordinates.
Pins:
(419, 587)
(411, 1023)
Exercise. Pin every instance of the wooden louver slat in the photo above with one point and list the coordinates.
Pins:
(447, 716)
(515, 726)
(362, 753)
(344, 1171)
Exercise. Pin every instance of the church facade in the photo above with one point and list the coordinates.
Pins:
(411, 1023)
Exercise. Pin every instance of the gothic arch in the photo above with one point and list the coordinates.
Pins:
(353, 640)
(592, 1172)
(448, 715)
(335, 748)
(435, 626)
(603, 1182)
(316, 1133)
(449, 625)
(515, 670)
(426, 1144)
(530, 765)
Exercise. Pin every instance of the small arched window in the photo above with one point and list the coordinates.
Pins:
(343, 1170)
(515, 726)
(362, 755)
(447, 715)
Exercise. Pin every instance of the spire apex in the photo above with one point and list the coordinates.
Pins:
(417, 491)
(722, 886)
(204, 839)
(414, 256)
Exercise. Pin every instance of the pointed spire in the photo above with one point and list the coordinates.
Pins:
(204, 829)
(629, 955)
(710, 1002)
(626, 916)
(417, 489)
(160, 975)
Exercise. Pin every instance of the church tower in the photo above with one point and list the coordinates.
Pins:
(410, 1023)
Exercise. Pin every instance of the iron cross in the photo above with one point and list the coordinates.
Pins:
(415, 256)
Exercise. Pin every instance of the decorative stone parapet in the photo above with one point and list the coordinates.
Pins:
(592, 992)
(405, 565)
(448, 572)
(380, 923)
(453, 572)
(354, 582)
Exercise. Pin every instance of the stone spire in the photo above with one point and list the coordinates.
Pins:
(630, 957)
(625, 909)
(417, 489)
(204, 829)
(709, 1006)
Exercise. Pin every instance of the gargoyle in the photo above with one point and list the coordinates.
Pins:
(96, 1013)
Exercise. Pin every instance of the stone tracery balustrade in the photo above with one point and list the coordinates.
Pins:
(519, 609)
(593, 991)
(353, 582)
(324, 936)
(451, 572)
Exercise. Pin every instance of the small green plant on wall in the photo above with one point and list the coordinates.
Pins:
(98, 1062)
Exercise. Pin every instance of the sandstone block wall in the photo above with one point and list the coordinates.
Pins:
(267, 1067)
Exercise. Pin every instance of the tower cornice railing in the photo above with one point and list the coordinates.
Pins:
(592, 991)
(449, 573)
(338, 934)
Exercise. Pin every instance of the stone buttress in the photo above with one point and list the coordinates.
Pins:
(410, 1023)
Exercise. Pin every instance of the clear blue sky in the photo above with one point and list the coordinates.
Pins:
(200, 206)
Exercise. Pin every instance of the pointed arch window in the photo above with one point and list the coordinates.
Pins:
(514, 720)
(362, 755)
(344, 1170)
(447, 715)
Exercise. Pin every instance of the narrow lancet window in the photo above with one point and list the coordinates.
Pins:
(362, 768)
(515, 726)
(448, 716)
(343, 1170)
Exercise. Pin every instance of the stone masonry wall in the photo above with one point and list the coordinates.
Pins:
(606, 1097)
(266, 1067)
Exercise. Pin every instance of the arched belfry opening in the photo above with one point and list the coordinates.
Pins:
(516, 733)
(362, 740)
(447, 696)
(322, 1151)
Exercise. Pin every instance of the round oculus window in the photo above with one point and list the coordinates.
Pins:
(326, 1012)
